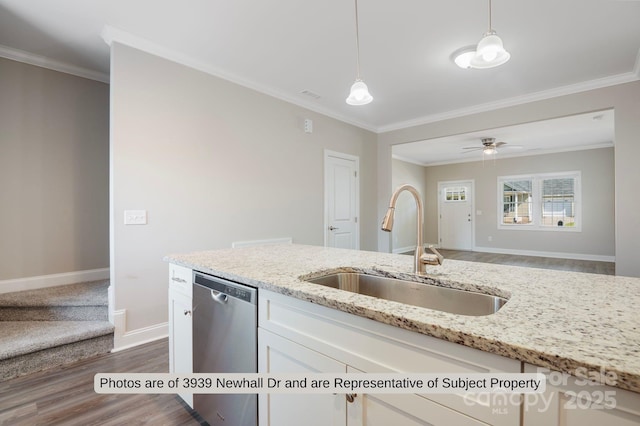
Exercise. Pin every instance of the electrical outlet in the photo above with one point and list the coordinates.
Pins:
(135, 217)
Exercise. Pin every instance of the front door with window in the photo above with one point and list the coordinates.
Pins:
(456, 215)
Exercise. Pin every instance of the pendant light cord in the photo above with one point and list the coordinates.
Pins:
(357, 44)
(490, 29)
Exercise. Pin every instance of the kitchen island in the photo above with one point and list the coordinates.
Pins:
(575, 323)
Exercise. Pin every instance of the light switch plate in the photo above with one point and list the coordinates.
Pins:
(135, 217)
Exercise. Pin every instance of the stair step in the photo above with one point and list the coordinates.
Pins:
(75, 302)
(20, 337)
(81, 294)
(55, 313)
(30, 346)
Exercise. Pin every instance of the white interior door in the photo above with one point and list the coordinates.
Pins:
(455, 223)
(341, 200)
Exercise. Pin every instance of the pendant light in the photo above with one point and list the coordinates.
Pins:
(490, 52)
(359, 94)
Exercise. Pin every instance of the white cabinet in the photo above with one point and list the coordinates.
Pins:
(180, 326)
(571, 401)
(363, 345)
(279, 355)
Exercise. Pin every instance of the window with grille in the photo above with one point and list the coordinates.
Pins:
(455, 194)
(549, 201)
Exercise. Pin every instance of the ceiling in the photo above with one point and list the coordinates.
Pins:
(286, 47)
(572, 133)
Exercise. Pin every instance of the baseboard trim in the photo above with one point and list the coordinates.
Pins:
(123, 339)
(44, 281)
(412, 249)
(557, 255)
(408, 249)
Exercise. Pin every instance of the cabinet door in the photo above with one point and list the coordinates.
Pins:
(279, 355)
(180, 279)
(402, 409)
(569, 401)
(180, 337)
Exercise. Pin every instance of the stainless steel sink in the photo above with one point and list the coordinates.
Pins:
(460, 302)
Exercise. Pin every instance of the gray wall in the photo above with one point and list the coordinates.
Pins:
(54, 156)
(597, 178)
(624, 98)
(403, 235)
(212, 163)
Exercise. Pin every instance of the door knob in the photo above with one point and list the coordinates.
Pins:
(333, 228)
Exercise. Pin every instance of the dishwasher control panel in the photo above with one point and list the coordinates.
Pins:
(231, 289)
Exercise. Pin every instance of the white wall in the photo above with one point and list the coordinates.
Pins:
(54, 154)
(595, 241)
(624, 98)
(212, 163)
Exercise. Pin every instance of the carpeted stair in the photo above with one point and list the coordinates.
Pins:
(43, 328)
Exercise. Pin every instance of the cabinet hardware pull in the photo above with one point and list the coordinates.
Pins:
(350, 397)
(178, 280)
(187, 312)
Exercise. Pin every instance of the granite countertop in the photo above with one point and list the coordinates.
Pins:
(554, 319)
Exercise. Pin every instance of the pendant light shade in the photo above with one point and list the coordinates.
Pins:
(359, 94)
(490, 52)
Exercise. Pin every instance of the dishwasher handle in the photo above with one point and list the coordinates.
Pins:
(219, 297)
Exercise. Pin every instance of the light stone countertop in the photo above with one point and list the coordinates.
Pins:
(554, 319)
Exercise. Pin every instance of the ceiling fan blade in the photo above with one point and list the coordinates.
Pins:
(497, 144)
(473, 148)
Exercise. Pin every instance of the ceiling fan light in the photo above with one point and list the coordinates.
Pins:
(490, 150)
(359, 94)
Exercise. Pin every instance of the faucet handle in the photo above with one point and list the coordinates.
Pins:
(432, 259)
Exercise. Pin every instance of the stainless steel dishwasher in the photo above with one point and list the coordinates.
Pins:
(225, 340)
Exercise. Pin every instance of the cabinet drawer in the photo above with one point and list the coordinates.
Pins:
(180, 279)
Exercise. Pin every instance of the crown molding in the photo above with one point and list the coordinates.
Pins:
(115, 35)
(519, 100)
(52, 64)
(111, 34)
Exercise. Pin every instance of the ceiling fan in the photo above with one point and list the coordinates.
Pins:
(489, 146)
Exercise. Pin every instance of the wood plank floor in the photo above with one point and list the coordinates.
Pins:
(65, 396)
(605, 268)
